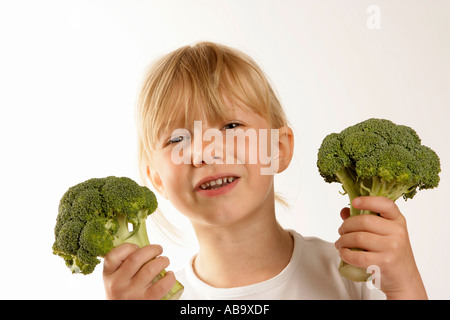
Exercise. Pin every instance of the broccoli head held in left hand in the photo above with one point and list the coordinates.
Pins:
(93, 218)
(377, 157)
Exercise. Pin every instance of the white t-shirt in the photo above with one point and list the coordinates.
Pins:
(312, 273)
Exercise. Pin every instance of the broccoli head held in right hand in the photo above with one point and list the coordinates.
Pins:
(93, 218)
(377, 157)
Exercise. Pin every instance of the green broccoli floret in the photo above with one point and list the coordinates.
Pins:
(94, 217)
(377, 158)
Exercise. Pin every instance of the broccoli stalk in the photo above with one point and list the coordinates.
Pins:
(137, 236)
(376, 158)
(93, 219)
(375, 186)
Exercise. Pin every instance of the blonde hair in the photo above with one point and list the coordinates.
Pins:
(193, 82)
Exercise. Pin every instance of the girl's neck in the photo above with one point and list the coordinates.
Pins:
(242, 254)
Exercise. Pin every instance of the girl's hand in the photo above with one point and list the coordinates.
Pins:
(386, 243)
(128, 272)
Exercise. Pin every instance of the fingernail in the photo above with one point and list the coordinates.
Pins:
(356, 202)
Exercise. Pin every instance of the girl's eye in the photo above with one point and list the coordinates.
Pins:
(176, 139)
(231, 125)
(178, 135)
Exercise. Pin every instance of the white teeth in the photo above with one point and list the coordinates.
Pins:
(214, 184)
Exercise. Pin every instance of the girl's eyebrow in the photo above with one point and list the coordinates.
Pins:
(163, 136)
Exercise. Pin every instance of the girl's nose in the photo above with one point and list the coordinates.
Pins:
(209, 153)
(198, 161)
(207, 150)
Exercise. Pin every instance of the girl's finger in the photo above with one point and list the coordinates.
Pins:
(362, 259)
(159, 289)
(149, 271)
(382, 205)
(362, 240)
(345, 213)
(367, 223)
(116, 257)
(134, 262)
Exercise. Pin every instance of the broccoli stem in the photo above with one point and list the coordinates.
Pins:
(356, 187)
(347, 177)
(139, 237)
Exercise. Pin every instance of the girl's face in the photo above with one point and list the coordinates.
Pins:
(229, 188)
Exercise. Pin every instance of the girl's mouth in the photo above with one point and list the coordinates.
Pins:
(217, 186)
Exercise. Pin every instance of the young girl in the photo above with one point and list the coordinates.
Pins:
(243, 252)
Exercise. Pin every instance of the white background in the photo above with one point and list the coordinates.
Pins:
(69, 74)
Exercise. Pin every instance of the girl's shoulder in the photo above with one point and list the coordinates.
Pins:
(319, 261)
(314, 247)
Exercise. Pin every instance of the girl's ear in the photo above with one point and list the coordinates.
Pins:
(154, 178)
(285, 148)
